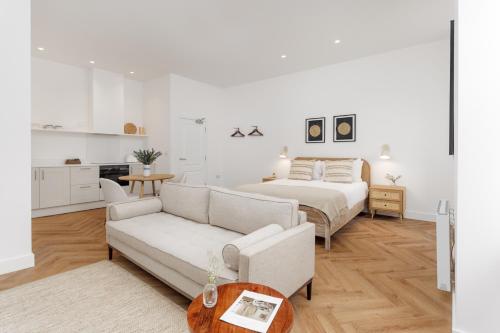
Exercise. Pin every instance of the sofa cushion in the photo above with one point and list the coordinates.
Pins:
(129, 209)
(246, 212)
(231, 251)
(175, 242)
(188, 201)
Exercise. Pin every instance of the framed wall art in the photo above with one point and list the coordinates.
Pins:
(344, 128)
(315, 130)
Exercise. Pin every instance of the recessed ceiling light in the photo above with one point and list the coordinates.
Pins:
(283, 56)
(131, 73)
(40, 48)
(337, 41)
(92, 62)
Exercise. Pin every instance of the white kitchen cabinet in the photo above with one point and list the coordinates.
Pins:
(138, 169)
(107, 106)
(84, 175)
(54, 187)
(84, 193)
(35, 188)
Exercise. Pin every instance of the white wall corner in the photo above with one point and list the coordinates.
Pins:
(13, 264)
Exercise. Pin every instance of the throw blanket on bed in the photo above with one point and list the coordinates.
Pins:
(331, 202)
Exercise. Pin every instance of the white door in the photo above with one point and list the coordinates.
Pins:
(192, 151)
(35, 188)
(54, 187)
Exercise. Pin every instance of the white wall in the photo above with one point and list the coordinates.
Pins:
(156, 119)
(61, 95)
(15, 218)
(193, 99)
(400, 98)
(477, 301)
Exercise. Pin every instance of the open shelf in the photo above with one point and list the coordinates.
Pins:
(62, 130)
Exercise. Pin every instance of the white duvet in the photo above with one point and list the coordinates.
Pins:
(354, 192)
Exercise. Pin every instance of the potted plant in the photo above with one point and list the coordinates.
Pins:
(147, 157)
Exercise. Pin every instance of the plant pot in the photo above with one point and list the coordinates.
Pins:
(147, 170)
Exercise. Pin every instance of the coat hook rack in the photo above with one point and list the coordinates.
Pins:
(237, 133)
(255, 132)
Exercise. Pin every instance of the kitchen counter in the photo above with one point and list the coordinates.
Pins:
(58, 165)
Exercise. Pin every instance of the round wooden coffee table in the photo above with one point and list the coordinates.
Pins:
(203, 320)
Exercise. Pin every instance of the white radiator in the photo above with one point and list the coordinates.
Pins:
(445, 242)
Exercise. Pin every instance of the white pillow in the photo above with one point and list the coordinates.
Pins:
(318, 170)
(357, 167)
(231, 251)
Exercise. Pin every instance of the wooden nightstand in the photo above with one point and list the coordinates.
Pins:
(268, 178)
(387, 198)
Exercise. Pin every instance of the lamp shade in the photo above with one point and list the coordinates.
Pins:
(385, 153)
(284, 152)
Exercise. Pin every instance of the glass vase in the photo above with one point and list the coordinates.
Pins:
(210, 295)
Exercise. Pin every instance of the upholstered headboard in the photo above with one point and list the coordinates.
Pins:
(365, 171)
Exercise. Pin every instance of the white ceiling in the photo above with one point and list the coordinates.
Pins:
(228, 42)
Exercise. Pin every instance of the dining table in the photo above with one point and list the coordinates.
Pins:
(161, 177)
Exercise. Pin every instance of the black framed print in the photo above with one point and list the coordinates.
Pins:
(344, 128)
(315, 130)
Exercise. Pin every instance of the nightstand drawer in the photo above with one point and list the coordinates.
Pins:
(385, 195)
(385, 205)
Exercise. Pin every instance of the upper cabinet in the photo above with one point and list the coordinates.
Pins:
(107, 102)
(71, 99)
(59, 95)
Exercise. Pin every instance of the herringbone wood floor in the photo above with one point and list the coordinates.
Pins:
(379, 277)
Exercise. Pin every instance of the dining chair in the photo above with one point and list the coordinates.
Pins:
(113, 192)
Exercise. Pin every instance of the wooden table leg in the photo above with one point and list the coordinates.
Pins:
(132, 186)
(141, 194)
(154, 189)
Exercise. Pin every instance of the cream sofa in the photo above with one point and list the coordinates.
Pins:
(170, 237)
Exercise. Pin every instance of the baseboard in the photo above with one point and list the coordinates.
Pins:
(412, 215)
(17, 263)
(421, 216)
(67, 209)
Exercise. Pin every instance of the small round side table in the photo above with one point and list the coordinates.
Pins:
(203, 320)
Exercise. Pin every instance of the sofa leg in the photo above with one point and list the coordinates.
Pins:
(309, 290)
(110, 253)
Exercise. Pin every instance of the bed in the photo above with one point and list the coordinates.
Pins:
(330, 206)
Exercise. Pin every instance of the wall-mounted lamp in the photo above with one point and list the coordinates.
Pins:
(385, 153)
(284, 152)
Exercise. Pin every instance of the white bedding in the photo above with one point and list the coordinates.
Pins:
(354, 192)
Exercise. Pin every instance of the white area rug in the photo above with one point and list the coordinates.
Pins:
(102, 297)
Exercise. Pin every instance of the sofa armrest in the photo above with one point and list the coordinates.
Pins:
(284, 261)
(128, 209)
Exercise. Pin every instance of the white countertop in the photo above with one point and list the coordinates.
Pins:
(60, 164)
